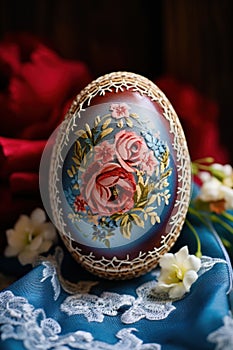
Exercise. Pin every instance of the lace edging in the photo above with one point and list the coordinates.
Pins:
(21, 321)
(150, 303)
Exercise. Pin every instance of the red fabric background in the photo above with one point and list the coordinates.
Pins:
(36, 88)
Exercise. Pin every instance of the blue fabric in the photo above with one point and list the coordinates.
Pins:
(194, 317)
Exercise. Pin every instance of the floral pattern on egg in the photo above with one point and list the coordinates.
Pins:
(119, 176)
(116, 178)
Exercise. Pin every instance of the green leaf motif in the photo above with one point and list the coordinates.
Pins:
(138, 221)
(134, 115)
(126, 230)
(106, 132)
(124, 220)
(97, 121)
(81, 133)
(106, 123)
(71, 172)
(88, 131)
(152, 199)
(129, 122)
(107, 243)
(120, 124)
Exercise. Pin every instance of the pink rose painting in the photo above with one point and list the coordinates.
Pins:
(119, 176)
(130, 149)
(109, 190)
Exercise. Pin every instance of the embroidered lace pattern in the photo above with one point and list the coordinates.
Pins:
(93, 307)
(21, 321)
(52, 270)
(149, 303)
(223, 336)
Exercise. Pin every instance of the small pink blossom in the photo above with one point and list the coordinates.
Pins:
(149, 163)
(104, 152)
(119, 110)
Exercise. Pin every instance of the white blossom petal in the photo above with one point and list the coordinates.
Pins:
(217, 166)
(178, 272)
(167, 260)
(30, 237)
(23, 224)
(189, 278)
(27, 257)
(11, 251)
(15, 239)
(38, 216)
(177, 291)
(204, 176)
(227, 169)
(210, 190)
(35, 243)
(192, 263)
(45, 246)
(182, 255)
(49, 231)
(227, 194)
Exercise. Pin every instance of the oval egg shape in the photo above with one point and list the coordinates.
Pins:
(119, 176)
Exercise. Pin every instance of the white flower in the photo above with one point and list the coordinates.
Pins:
(227, 194)
(204, 176)
(214, 190)
(178, 272)
(30, 237)
(226, 169)
(210, 190)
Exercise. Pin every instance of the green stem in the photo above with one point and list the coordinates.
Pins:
(196, 167)
(203, 167)
(204, 160)
(224, 224)
(226, 243)
(227, 215)
(197, 214)
(192, 229)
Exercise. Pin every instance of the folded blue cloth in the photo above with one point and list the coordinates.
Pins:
(58, 305)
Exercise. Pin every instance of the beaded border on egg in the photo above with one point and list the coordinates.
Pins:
(145, 261)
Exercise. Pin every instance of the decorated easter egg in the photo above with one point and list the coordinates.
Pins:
(119, 176)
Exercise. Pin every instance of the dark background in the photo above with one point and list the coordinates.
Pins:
(190, 40)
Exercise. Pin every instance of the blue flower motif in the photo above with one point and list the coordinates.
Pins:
(150, 139)
(110, 222)
(75, 180)
(70, 195)
(98, 234)
(154, 143)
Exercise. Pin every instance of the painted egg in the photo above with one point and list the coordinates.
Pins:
(119, 176)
